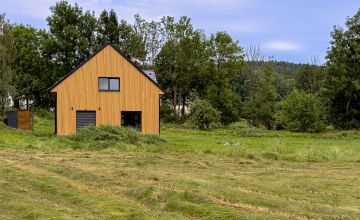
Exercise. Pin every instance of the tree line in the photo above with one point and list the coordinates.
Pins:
(212, 75)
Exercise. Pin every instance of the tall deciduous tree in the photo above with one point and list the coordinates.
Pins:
(181, 59)
(259, 107)
(7, 52)
(72, 35)
(342, 81)
(225, 66)
(108, 28)
(33, 72)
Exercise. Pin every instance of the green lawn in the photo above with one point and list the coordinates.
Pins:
(229, 173)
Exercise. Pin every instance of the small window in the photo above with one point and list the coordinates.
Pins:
(114, 84)
(109, 84)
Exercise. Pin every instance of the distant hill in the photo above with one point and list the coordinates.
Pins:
(287, 69)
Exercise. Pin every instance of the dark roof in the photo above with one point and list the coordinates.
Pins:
(151, 74)
(147, 75)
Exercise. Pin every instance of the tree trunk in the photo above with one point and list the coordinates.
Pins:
(183, 105)
(16, 103)
(347, 109)
(175, 103)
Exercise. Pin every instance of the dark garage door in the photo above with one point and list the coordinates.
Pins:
(85, 118)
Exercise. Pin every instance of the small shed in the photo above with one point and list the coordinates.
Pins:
(22, 119)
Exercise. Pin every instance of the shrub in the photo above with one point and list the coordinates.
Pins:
(112, 134)
(203, 115)
(226, 101)
(45, 113)
(301, 111)
(166, 113)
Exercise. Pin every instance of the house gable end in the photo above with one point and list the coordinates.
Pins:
(54, 87)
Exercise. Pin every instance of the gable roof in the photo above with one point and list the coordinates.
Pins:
(147, 75)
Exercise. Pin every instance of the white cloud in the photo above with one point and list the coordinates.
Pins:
(282, 45)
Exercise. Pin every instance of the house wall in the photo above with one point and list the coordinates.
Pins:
(79, 91)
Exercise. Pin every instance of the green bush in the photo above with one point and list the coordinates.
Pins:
(113, 134)
(44, 113)
(301, 111)
(166, 113)
(203, 115)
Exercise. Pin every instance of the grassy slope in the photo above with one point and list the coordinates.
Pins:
(232, 173)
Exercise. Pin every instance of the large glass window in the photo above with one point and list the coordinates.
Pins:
(109, 84)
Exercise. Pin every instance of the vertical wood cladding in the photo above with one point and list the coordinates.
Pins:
(80, 92)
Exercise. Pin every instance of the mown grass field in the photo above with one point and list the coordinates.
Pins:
(229, 173)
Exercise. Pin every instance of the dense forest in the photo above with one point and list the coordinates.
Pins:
(220, 81)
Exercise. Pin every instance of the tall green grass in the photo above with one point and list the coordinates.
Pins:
(107, 135)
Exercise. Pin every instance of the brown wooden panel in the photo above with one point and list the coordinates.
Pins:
(79, 92)
(25, 119)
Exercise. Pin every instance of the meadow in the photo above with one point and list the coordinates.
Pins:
(234, 172)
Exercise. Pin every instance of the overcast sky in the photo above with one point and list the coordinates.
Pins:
(289, 30)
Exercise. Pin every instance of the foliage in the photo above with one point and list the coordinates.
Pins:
(226, 101)
(30, 81)
(342, 81)
(204, 116)
(7, 52)
(259, 108)
(309, 77)
(189, 64)
(180, 64)
(108, 28)
(302, 111)
(72, 35)
(225, 66)
(166, 113)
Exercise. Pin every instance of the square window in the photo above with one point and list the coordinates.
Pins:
(114, 84)
(103, 84)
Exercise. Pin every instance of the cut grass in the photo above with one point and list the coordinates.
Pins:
(228, 173)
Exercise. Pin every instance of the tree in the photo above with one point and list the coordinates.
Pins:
(72, 35)
(341, 86)
(7, 52)
(153, 41)
(108, 28)
(203, 115)
(138, 38)
(33, 71)
(308, 78)
(226, 62)
(181, 60)
(302, 111)
(259, 107)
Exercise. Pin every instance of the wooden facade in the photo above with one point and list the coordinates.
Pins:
(79, 91)
(25, 119)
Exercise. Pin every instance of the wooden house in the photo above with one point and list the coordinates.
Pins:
(107, 89)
